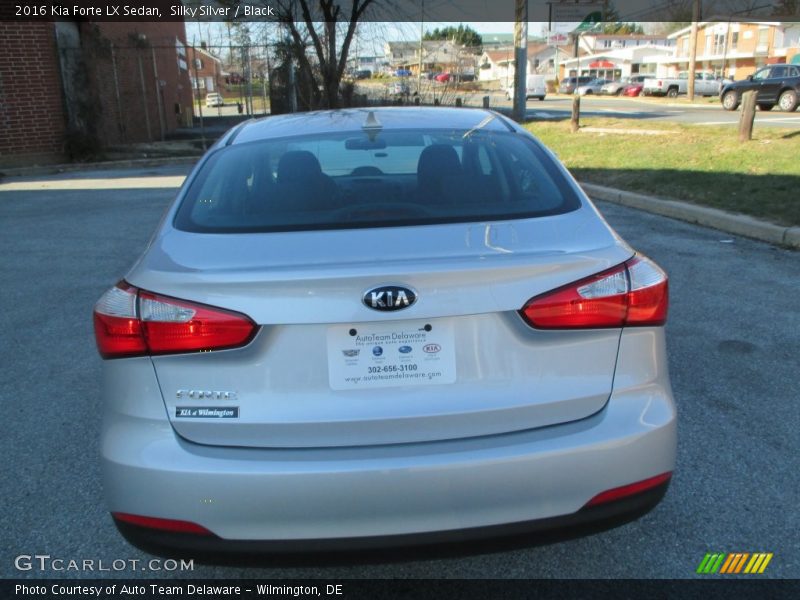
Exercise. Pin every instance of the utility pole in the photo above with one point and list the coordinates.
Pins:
(419, 66)
(693, 50)
(520, 59)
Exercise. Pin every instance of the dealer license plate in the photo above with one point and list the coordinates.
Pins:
(371, 355)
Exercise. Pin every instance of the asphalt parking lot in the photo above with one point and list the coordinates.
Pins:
(733, 344)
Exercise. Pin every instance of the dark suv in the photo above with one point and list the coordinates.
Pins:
(568, 85)
(775, 84)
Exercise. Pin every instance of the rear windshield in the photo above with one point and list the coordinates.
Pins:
(387, 179)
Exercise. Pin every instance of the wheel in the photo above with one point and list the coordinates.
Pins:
(672, 93)
(730, 101)
(541, 98)
(788, 101)
(765, 107)
(618, 92)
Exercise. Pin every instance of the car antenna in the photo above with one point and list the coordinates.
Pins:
(372, 126)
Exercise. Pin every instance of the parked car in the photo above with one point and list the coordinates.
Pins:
(402, 73)
(363, 74)
(536, 87)
(214, 99)
(705, 84)
(268, 384)
(567, 86)
(615, 88)
(633, 90)
(776, 84)
(592, 87)
(442, 77)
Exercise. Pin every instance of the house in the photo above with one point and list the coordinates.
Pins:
(438, 56)
(206, 73)
(497, 65)
(373, 64)
(734, 49)
(542, 59)
(96, 84)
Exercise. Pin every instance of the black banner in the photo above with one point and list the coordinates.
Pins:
(248, 589)
(392, 10)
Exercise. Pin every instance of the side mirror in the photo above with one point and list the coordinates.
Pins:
(749, 78)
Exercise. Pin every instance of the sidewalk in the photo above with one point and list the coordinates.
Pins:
(701, 215)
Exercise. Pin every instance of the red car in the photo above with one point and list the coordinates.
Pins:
(442, 77)
(633, 90)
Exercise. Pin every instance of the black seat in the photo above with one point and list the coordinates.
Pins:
(301, 184)
(439, 175)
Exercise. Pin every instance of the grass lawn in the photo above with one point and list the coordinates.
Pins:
(701, 164)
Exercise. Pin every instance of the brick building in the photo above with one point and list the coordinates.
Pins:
(206, 72)
(69, 89)
(735, 49)
(32, 117)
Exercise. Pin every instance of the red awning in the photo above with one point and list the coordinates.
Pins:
(602, 64)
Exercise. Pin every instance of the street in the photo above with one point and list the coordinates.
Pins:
(734, 357)
(655, 110)
(559, 107)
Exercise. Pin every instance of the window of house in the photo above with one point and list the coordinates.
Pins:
(762, 36)
(734, 40)
(198, 64)
(719, 43)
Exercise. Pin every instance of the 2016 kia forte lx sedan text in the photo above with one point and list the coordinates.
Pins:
(368, 327)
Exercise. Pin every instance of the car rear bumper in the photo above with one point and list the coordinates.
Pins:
(372, 496)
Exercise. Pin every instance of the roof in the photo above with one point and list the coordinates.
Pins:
(626, 36)
(717, 21)
(498, 56)
(353, 119)
(201, 50)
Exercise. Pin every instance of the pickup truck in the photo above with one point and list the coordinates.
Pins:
(705, 84)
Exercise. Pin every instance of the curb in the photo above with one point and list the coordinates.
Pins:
(708, 217)
(111, 164)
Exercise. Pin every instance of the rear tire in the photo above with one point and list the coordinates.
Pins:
(788, 101)
(730, 101)
(619, 92)
(672, 93)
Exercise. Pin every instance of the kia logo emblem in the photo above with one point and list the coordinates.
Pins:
(389, 297)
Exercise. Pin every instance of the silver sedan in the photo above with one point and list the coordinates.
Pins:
(366, 327)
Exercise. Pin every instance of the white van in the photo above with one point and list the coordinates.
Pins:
(536, 88)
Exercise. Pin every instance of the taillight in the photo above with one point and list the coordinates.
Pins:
(634, 293)
(629, 490)
(173, 525)
(132, 322)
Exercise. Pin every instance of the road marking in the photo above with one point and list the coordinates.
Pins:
(120, 183)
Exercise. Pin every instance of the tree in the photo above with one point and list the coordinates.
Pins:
(623, 28)
(319, 27)
(613, 24)
(316, 24)
(466, 36)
